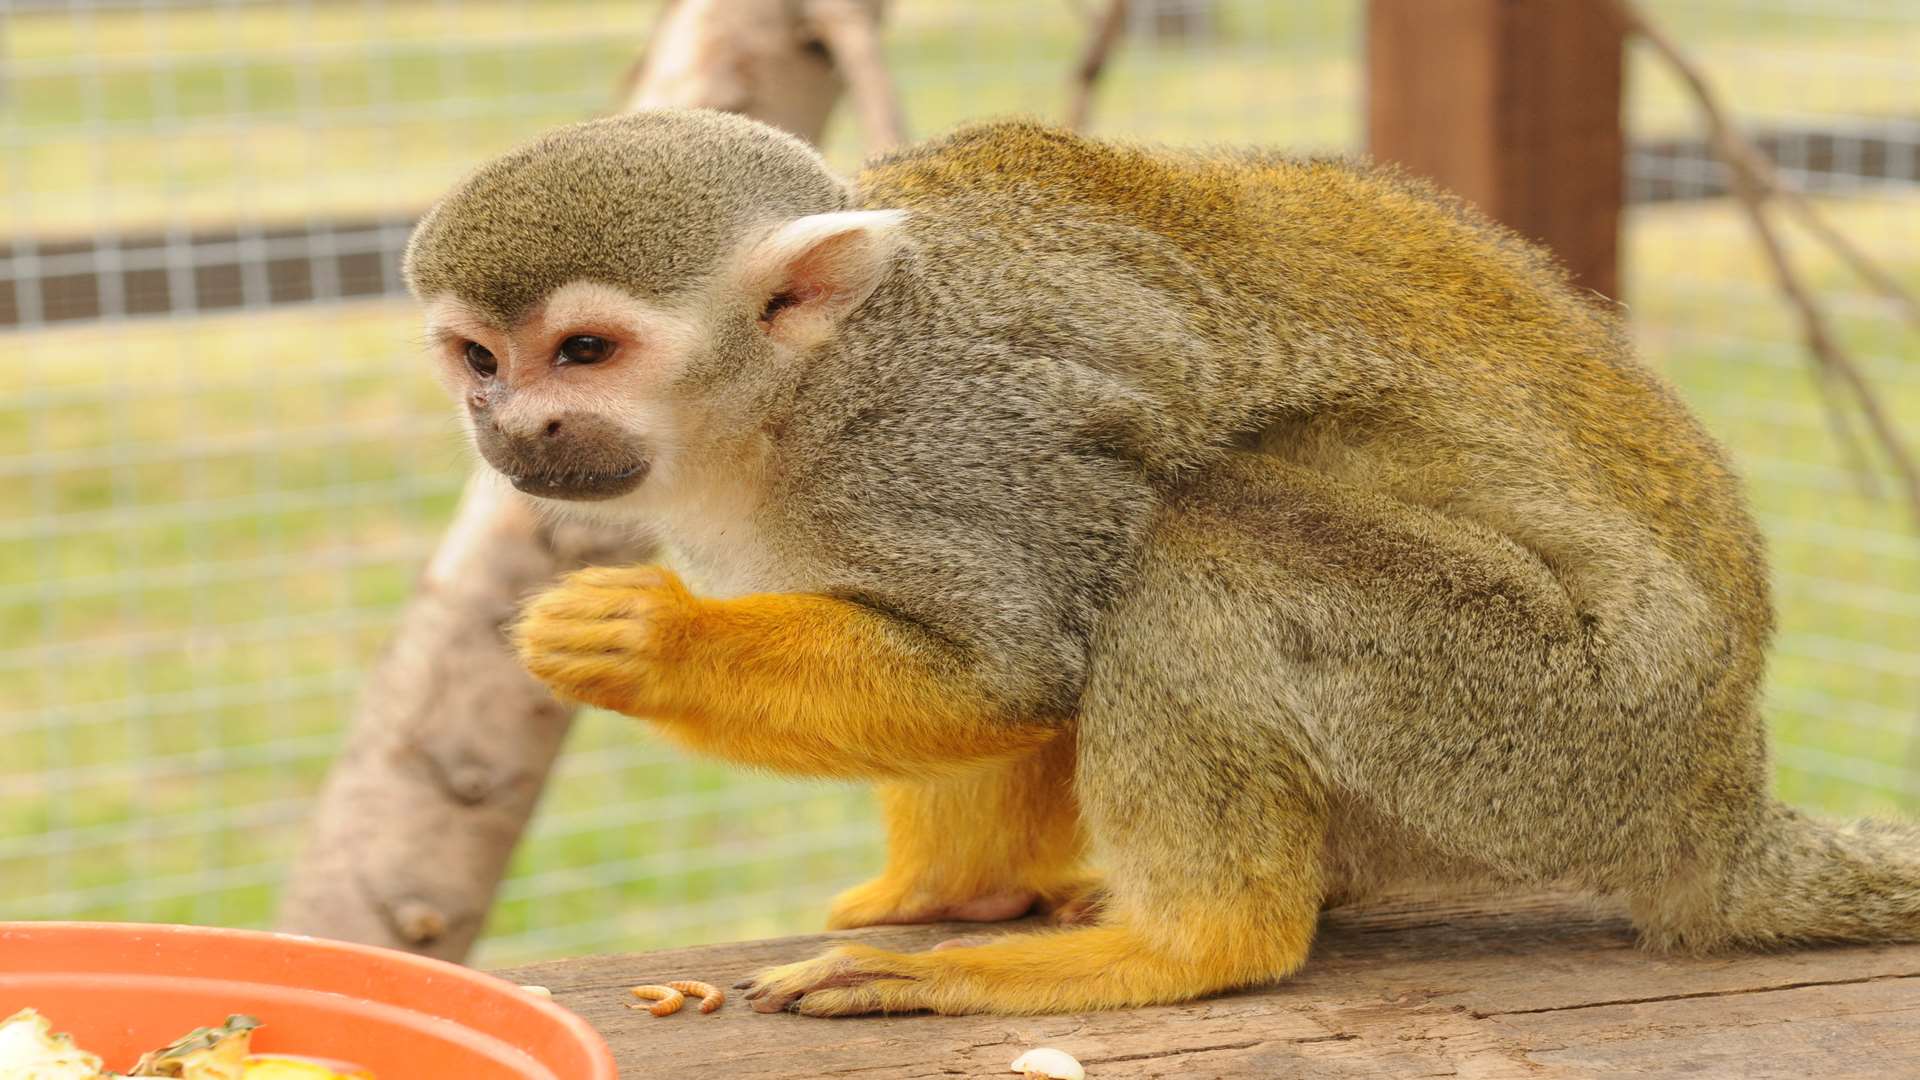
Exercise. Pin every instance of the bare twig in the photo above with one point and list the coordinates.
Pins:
(850, 29)
(1869, 271)
(1107, 29)
(1757, 185)
(1740, 154)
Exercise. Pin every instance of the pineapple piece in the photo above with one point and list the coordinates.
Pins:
(29, 1050)
(217, 1053)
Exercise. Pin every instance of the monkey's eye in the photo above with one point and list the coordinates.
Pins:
(481, 361)
(585, 349)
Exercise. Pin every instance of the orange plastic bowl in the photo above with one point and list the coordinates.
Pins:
(125, 988)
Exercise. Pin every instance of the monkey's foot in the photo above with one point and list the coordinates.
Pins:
(1100, 967)
(891, 900)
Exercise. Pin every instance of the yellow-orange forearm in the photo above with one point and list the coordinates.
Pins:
(797, 682)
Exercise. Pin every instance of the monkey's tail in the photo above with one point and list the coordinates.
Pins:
(1794, 878)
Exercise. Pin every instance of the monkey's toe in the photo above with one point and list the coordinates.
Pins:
(846, 968)
(878, 996)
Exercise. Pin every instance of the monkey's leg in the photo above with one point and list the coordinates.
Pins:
(1199, 905)
(1117, 965)
(994, 842)
(801, 683)
(1217, 885)
(1193, 782)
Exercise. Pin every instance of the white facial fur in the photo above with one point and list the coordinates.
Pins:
(703, 510)
(651, 347)
(701, 492)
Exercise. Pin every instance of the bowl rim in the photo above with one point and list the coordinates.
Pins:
(584, 1033)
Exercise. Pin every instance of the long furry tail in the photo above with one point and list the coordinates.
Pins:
(1796, 878)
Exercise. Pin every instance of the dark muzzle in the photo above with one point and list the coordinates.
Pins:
(573, 456)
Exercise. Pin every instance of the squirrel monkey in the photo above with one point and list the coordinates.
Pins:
(1263, 532)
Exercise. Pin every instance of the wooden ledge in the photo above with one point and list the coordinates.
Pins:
(1529, 987)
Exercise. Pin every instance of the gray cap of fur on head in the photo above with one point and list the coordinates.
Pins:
(649, 201)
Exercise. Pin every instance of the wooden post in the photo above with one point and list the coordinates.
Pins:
(1515, 106)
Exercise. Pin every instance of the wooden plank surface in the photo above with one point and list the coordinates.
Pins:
(1528, 987)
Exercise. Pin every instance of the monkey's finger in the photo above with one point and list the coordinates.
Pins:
(583, 637)
(881, 995)
(624, 578)
(568, 602)
(593, 681)
(777, 988)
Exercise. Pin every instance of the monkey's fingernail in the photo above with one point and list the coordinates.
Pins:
(743, 984)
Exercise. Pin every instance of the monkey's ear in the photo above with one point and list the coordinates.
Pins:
(811, 272)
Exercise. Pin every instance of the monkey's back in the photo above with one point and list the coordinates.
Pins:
(1374, 328)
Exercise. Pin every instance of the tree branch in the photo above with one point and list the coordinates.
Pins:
(1108, 27)
(1757, 185)
(850, 29)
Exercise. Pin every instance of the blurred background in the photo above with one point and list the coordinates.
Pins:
(223, 461)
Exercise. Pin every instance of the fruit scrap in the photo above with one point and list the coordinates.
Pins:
(215, 1053)
(1046, 1063)
(711, 997)
(666, 1000)
(30, 1047)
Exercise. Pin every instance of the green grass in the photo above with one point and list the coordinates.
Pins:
(207, 526)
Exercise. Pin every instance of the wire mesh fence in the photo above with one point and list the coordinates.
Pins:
(222, 461)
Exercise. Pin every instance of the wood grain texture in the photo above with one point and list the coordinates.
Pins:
(1518, 987)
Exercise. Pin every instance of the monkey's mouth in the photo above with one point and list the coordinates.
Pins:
(581, 486)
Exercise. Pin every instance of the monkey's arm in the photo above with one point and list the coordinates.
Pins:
(796, 682)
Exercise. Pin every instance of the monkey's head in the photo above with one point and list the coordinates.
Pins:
(621, 297)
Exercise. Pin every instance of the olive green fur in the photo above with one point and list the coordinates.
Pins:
(595, 200)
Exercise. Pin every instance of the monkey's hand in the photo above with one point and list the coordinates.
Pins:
(603, 636)
(799, 682)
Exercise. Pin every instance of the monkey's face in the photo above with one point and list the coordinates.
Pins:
(572, 401)
(625, 302)
(593, 390)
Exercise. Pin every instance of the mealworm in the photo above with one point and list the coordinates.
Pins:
(711, 996)
(666, 1000)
